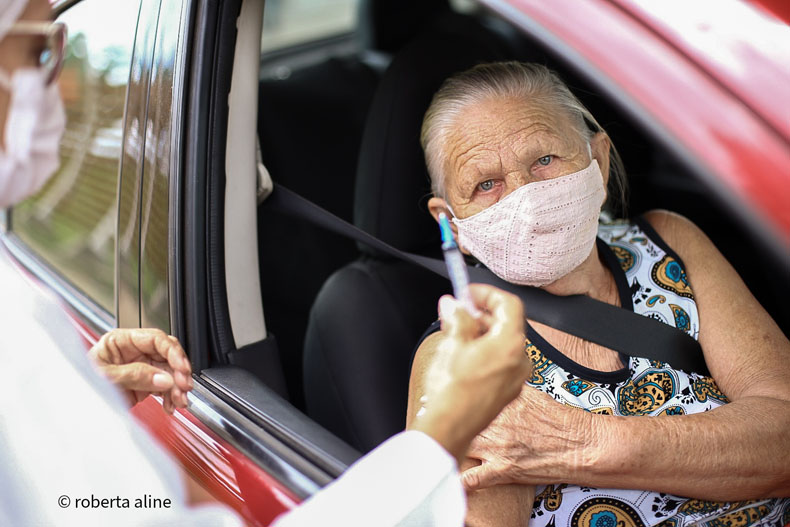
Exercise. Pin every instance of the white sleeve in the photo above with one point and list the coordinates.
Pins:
(408, 480)
(70, 452)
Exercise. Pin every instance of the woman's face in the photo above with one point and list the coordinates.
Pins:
(503, 144)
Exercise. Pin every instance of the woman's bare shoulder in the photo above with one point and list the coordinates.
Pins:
(671, 226)
(679, 233)
(426, 353)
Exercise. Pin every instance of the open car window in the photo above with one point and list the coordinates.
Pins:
(313, 126)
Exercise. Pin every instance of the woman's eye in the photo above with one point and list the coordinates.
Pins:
(545, 160)
(486, 185)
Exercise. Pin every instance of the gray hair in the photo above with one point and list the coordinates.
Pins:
(528, 81)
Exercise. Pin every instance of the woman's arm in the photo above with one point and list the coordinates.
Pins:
(503, 505)
(736, 451)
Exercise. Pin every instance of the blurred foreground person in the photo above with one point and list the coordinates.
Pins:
(65, 434)
(64, 430)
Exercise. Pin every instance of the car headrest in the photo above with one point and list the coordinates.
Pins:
(386, 25)
(392, 185)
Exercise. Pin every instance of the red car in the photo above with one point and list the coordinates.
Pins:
(158, 218)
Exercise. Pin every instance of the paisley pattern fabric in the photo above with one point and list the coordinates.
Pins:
(653, 282)
(655, 274)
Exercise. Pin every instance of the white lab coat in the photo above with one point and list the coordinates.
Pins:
(66, 432)
(408, 480)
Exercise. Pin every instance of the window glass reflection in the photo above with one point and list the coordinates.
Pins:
(72, 221)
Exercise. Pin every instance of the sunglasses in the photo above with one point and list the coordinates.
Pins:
(51, 56)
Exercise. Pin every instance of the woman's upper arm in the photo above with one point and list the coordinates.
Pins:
(745, 350)
(426, 354)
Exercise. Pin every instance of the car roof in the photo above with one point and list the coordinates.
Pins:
(742, 45)
(724, 124)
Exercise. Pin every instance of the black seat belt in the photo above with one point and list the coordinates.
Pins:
(579, 315)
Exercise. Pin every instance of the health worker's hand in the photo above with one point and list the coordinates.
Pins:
(141, 362)
(481, 369)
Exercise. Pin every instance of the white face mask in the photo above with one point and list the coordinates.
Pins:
(33, 129)
(539, 232)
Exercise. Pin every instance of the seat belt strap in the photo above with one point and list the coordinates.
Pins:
(579, 315)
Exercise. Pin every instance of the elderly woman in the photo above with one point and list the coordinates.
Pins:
(523, 169)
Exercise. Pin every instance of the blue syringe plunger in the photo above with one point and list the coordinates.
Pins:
(448, 240)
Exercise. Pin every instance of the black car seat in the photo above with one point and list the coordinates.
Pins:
(369, 315)
(310, 124)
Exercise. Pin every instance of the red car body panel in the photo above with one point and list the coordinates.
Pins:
(737, 146)
(778, 8)
(224, 471)
(746, 49)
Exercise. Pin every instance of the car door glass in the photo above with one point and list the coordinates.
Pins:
(292, 22)
(71, 222)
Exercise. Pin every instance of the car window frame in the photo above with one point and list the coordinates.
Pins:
(274, 434)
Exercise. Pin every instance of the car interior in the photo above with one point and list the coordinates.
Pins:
(337, 121)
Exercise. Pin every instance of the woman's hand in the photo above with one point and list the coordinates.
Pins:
(534, 440)
(145, 361)
(480, 367)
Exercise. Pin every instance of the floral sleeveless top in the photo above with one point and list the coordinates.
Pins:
(652, 281)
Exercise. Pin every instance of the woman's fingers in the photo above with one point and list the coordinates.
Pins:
(158, 345)
(145, 361)
(481, 477)
(183, 380)
(139, 376)
(144, 379)
(167, 404)
(126, 346)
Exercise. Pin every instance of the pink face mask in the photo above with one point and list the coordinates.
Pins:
(539, 232)
(33, 130)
